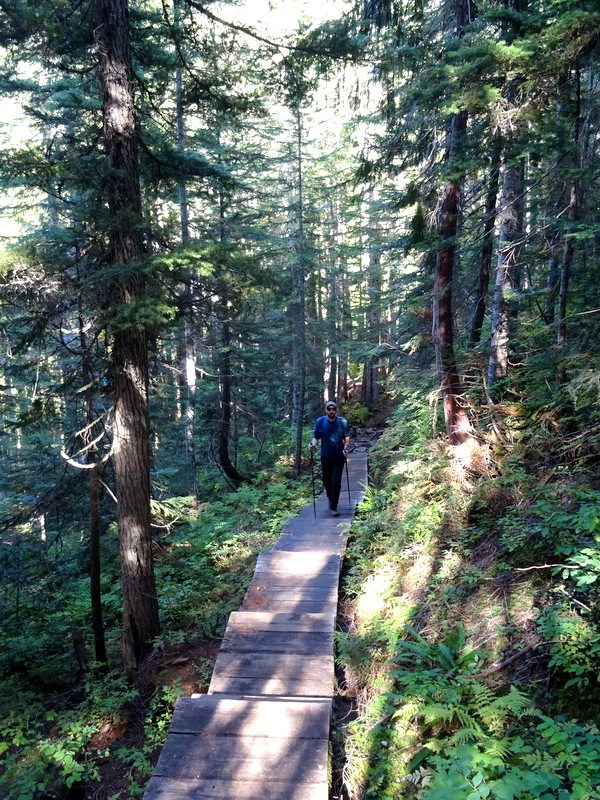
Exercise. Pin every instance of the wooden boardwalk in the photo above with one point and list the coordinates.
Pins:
(262, 731)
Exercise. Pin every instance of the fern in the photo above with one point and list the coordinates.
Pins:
(495, 714)
(482, 695)
(465, 735)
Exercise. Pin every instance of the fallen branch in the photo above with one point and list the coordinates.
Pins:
(545, 566)
(574, 600)
(508, 661)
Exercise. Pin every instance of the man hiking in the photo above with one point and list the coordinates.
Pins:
(334, 433)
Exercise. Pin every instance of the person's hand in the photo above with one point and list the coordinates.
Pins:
(346, 451)
(311, 446)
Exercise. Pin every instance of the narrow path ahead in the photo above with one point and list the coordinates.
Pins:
(262, 731)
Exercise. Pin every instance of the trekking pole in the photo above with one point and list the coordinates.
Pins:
(312, 470)
(348, 479)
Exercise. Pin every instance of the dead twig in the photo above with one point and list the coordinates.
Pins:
(508, 661)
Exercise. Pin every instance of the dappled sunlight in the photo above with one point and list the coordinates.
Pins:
(402, 467)
(372, 599)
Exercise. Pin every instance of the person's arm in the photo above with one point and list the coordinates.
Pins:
(313, 441)
(346, 438)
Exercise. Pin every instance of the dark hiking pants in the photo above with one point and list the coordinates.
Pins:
(332, 469)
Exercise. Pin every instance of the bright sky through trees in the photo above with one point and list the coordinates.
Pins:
(280, 18)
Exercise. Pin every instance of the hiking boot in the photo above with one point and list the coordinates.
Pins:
(335, 512)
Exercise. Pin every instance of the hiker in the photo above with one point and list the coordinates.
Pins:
(334, 433)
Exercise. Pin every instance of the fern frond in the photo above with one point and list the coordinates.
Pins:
(482, 696)
(437, 713)
(464, 736)
(464, 717)
(436, 745)
(447, 656)
(499, 748)
(407, 712)
(496, 712)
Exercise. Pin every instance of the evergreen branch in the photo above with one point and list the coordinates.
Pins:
(315, 51)
(239, 28)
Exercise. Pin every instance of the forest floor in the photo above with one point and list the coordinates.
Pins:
(180, 666)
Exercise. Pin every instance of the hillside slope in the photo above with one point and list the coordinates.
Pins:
(469, 647)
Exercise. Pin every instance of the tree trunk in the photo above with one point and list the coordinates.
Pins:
(224, 433)
(181, 187)
(189, 366)
(567, 258)
(551, 282)
(189, 415)
(565, 272)
(299, 334)
(95, 515)
(370, 386)
(485, 255)
(511, 220)
(130, 343)
(458, 426)
(508, 248)
(332, 309)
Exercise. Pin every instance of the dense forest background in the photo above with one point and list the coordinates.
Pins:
(215, 216)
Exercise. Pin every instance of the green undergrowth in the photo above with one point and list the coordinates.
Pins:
(472, 649)
(61, 730)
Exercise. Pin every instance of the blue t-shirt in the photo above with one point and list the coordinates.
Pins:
(332, 435)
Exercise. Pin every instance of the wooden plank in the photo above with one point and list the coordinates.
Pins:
(305, 539)
(303, 544)
(309, 563)
(241, 758)
(329, 526)
(258, 594)
(241, 687)
(291, 580)
(278, 642)
(267, 665)
(264, 717)
(308, 511)
(273, 674)
(265, 602)
(215, 789)
(273, 621)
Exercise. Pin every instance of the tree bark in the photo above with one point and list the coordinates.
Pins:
(370, 387)
(508, 249)
(551, 282)
(567, 257)
(332, 308)
(458, 426)
(189, 414)
(224, 433)
(485, 254)
(95, 515)
(299, 334)
(130, 342)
